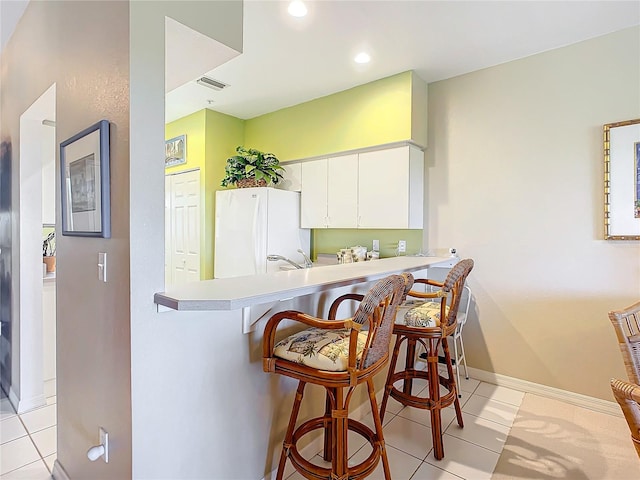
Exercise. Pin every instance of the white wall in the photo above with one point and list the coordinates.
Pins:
(82, 47)
(49, 172)
(516, 181)
(176, 432)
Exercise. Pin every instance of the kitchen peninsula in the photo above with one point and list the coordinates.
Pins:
(233, 415)
(242, 292)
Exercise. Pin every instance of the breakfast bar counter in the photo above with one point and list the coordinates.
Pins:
(240, 292)
(236, 415)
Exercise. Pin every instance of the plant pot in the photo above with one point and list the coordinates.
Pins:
(251, 182)
(50, 262)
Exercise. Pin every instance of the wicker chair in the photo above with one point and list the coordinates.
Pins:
(338, 355)
(628, 397)
(424, 325)
(626, 323)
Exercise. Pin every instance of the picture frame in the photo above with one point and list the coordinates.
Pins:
(622, 180)
(175, 151)
(85, 188)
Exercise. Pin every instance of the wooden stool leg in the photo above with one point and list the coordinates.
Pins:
(378, 424)
(452, 382)
(389, 383)
(328, 425)
(290, 428)
(340, 428)
(434, 396)
(410, 363)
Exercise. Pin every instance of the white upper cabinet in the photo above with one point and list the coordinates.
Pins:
(329, 195)
(342, 191)
(376, 189)
(291, 177)
(313, 196)
(390, 188)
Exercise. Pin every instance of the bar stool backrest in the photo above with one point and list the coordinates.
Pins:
(626, 323)
(378, 310)
(453, 286)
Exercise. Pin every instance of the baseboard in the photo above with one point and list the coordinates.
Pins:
(592, 403)
(23, 406)
(13, 398)
(58, 472)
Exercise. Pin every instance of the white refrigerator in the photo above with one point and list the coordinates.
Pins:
(252, 223)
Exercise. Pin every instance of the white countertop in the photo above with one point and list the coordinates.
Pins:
(49, 277)
(240, 292)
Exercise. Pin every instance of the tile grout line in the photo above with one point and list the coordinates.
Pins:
(34, 444)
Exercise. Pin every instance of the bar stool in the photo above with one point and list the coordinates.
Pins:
(338, 355)
(423, 325)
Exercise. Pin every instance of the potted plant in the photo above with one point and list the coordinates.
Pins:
(49, 252)
(251, 168)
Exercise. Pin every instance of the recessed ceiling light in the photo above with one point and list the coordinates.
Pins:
(297, 9)
(362, 57)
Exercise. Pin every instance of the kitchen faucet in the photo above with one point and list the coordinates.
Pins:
(307, 260)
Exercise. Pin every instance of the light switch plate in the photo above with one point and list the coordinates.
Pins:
(104, 441)
(376, 245)
(102, 266)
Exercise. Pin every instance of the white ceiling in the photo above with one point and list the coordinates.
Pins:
(287, 61)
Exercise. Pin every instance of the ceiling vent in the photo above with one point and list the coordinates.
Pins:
(211, 83)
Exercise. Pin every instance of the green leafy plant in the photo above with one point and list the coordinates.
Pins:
(250, 163)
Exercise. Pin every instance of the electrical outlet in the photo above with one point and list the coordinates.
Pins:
(402, 246)
(376, 245)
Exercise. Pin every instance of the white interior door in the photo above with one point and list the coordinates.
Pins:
(182, 225)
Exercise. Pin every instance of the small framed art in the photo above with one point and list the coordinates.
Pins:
(85, 193)
(175, 151)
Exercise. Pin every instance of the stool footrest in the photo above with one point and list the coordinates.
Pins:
(424, 403)
(311, 470)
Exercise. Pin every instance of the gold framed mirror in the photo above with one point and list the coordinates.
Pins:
(622, 180)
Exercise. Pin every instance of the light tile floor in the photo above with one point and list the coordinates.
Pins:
(470, 453)
(28, 441)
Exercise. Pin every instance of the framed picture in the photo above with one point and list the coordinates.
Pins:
(175, 151)
(622, 180)
(636, 149)
(85, 193)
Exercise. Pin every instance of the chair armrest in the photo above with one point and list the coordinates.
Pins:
(426, 281)
(271, 327)
(625, 390)
(336, 303)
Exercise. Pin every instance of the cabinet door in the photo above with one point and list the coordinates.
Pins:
(313, 195)
(342, 192)
(291, 177)
(390, 188)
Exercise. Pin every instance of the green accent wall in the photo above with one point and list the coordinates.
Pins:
(372, 114)
(419, 97)
(331, 240)
(388, 110)
(211, 138)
